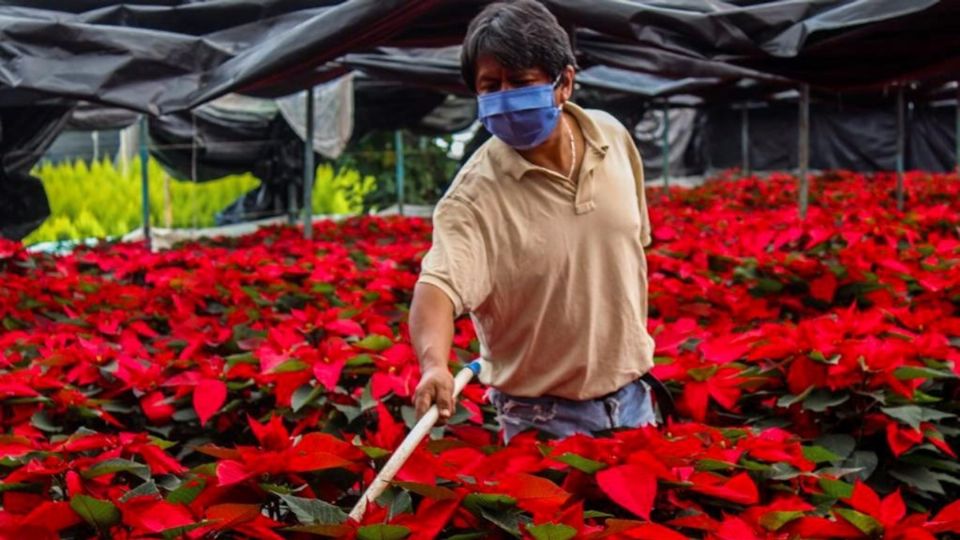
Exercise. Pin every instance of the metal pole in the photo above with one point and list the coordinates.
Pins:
(803, 150)
(145, 181)
(291, 203)
(900, 146)
(665, 148)
(95, 136)
(957, 134)
(308, 170)
(398, 148)
(745, 140)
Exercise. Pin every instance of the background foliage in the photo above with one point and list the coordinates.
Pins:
(100, 199)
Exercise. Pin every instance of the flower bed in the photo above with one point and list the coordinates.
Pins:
(251, 387)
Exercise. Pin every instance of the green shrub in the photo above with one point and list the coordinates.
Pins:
(99, 199)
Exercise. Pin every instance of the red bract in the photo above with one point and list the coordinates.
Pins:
(278, 454)
(130, 382)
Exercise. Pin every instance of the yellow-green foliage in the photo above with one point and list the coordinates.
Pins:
(100, 200)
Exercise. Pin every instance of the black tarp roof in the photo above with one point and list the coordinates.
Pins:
(161, 56)
(165, 56)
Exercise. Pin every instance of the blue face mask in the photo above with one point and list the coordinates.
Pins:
(522, 117)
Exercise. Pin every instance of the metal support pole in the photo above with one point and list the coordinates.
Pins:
(745, 140)
(665, 148)
(398, 148)
(95, 137)
(803, 150)
(309, 170)
(901, 143)
(291, 203)
(145, 181)
(957, 134)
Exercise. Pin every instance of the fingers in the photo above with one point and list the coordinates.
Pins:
(445, 403)
(423, 398)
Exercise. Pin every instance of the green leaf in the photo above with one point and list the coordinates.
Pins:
(783, 471)
(751, 465)
(349, 411)
(116, 465)
(772, 521)
(314, 511)
(865, 460)
(840, 444)
(439, 493)
(767, 285)
(304, 395)
(19, 486)
(374, 342)
(913, 415)
(146, 488)
(701, 374)
(366, 398)
(919, 478)
(374, 452)
(488, 500)
(41, 421)
(820, 400)
(331, 531)
(187, 491)
(837, 489)
(400, 504)
(920, 372)
(710, 464)
(382, 532)
(787, 400)
(819, 454)
(162, 443)
(818, 356)
(241, 358)
(360, 360)
(178, 532)
(497, 509)
(276, 488)
(581, 463)
(552, 531)
(596, 514)
(865, 523)
(289, 366)
(99, 513)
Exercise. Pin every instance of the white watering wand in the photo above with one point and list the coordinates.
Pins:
(410, 443)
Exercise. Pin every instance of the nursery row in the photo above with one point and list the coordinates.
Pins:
(253, 386)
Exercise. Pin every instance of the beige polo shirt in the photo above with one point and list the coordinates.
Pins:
(552, 273)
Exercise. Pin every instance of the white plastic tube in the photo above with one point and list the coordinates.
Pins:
(410, 443)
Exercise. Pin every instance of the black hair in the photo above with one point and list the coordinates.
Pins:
(522, 34)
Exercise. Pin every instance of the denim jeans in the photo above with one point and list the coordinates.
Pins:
(631, 406)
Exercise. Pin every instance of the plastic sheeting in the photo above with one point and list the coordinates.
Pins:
(332, 119)
(842, 136)
(25, 134)
(162, 56)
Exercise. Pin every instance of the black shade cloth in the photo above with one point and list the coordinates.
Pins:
(162, 56)
(25, 133)
(842, 136)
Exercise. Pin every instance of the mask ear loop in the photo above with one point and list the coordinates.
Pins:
(556, 85)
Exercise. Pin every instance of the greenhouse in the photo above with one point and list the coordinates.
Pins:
(234, 236)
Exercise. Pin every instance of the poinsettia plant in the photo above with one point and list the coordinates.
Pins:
(252, 386)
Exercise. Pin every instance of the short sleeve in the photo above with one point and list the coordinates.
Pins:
(458, 261)
(636, 164)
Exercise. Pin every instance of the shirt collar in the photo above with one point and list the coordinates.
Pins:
(515, 166)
